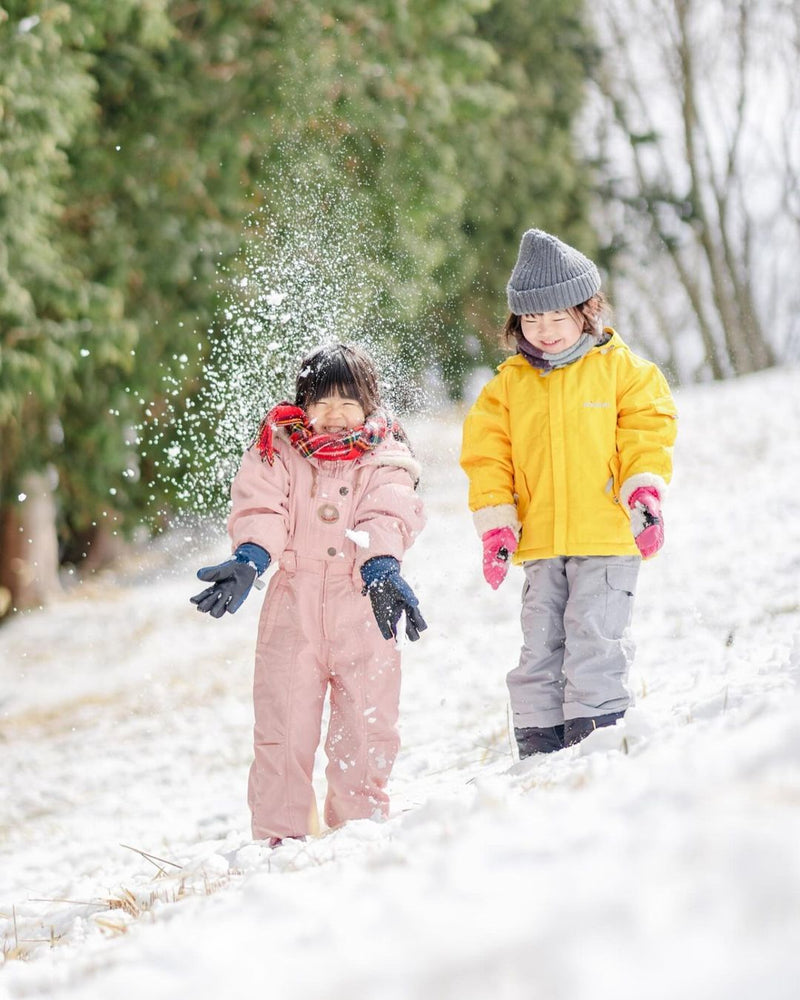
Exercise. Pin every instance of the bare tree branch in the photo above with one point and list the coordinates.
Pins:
(697, 198)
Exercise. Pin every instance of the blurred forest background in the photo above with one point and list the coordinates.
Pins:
(165, 165)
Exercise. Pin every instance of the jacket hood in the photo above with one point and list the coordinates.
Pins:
(394, 453)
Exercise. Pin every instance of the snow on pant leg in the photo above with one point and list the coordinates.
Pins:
(362, 740)
(598, 647)
(536, 684)
(288, 697)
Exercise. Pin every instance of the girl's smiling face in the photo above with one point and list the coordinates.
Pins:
(335, 414)
(552, 332)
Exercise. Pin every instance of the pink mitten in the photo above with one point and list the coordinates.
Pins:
(647, 524)
(498, 544)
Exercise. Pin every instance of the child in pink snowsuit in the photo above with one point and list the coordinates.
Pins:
(328, 493)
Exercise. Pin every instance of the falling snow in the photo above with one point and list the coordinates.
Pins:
(310, 280)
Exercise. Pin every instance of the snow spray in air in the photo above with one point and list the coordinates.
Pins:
(308, 275)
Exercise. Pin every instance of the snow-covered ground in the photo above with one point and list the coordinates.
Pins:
(660, 859)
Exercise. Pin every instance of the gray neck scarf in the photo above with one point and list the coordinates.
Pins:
(547, 362)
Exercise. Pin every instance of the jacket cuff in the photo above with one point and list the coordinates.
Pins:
(378, 568)
(504, 515)
(254, 554)
(646, 479)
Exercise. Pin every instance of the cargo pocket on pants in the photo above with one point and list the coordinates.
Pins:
(620, 588)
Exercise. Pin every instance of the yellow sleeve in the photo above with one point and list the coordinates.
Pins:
(646, 429)
(486, 449)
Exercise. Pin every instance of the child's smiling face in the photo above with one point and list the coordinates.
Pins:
(552, 332)
(335, 414)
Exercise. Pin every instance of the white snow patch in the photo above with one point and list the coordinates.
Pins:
(359, 538)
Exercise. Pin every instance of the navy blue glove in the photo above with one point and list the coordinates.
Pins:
(390, 596)
(231, 580)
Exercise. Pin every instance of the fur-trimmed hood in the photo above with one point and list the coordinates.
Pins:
(394, 453)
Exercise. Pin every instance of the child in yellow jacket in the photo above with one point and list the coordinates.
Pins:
(568, 450)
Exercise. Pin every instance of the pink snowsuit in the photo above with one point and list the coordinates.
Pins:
(317, 629)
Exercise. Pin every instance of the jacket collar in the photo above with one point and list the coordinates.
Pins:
(615, 341)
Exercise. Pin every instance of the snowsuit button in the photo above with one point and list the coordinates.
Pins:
(343, 491)
(331, 551)
(328, 513)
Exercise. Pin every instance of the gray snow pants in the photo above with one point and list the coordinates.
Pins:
(577, 649)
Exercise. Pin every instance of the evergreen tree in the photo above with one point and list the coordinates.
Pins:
(156, 154)
(530, 160)
(50, 313)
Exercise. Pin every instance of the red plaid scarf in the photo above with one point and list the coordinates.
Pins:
(344, 447)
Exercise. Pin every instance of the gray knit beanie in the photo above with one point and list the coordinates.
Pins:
(549, 275)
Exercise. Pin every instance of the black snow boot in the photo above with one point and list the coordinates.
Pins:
(538, 739)
(576, 730)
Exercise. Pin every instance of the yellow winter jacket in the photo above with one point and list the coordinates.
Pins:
(562, 451)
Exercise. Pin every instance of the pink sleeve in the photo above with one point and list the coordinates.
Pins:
(260, 510)
(390, 512)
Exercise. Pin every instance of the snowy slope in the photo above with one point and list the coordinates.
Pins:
(657, 860)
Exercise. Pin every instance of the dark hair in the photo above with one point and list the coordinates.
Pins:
(594, 311)
(338, 368)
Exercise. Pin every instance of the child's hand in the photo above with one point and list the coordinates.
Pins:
(231, 580)
(390, 596)
(498, 544)
(647, 523)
